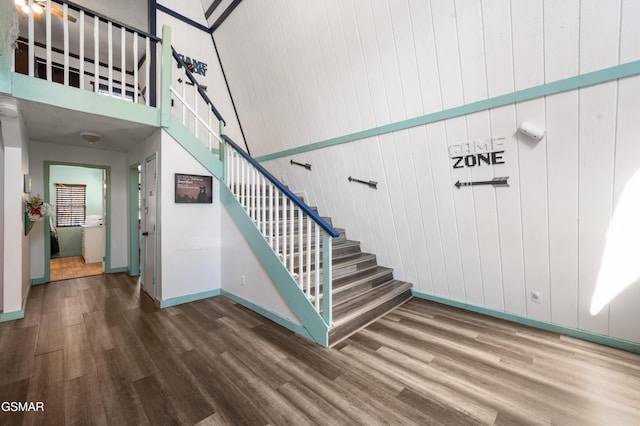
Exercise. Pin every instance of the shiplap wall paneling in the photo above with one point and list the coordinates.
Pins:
(399, 196)
(325, 83)
(503, 125)
(372, 67)
(465, 218)
(532, 159)
(595, 193)
(303, 82)
(430, 212)
(425, 52)
(479, 129)
(471, 48)
(443, 186)
(562, 177)
(624, 315)
(328, 65)
(370, 203)
(527, 27)
(414, 215)
(446, 41)
(498, 46)
(355, 59)
(406, 59)
(599, 48)
(599, 34)
(385, 209)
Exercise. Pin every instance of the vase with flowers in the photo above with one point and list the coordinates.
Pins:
(36, 209)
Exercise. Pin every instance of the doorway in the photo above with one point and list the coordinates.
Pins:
(148, 239)
(77, 234)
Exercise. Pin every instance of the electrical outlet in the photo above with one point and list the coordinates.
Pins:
(242, 280)
(536, 297)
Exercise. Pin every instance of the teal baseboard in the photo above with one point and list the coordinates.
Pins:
(189, 298)
(560, 329)
(296, 328)
(38, 281)
(118, 270)
(11, 316)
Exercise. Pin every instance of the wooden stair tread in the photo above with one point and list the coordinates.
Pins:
(367, 300)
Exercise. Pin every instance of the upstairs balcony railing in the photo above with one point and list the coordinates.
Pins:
(66, 43)
(194, 109)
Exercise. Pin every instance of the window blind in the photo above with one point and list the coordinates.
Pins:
(71, 207)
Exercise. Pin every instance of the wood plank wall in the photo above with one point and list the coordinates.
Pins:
(306, 71)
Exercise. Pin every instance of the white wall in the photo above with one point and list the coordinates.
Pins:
(15, 270)
(118, 216)
(197, 44)
(309, 71)
(190, 238)
(238, 262)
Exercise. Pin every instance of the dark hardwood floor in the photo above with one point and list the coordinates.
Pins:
(97, 352)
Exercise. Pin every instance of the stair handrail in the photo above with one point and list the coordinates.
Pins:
(293, 197)
(201, 91)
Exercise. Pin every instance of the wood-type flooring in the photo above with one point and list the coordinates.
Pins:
(64, 268)
(96, 351)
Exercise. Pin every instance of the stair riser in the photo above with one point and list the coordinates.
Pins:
(351, 292)
(339, 333)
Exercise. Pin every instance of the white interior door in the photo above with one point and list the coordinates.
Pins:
(104, 219)
(148, 241)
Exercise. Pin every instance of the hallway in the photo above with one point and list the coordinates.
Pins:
(92, 349)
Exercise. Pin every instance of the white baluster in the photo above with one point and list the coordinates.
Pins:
(271, 214)
(317, 274)
(110, 64)
(300, 250)
(183, 87)
(123, 62)
(136, 82)
(48, 36)
(291, 236)
(147, 69)
(284, 230)
(195, 101)
(308, 275)
(81, 38)
(65, 26)
(96, 54)
(32, 53)
(277, 220)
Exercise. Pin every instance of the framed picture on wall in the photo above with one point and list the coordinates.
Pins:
(194, 189)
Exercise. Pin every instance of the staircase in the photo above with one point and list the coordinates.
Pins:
(363, 291)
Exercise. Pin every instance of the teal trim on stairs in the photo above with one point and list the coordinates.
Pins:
(316, 328)
(189, 142)
(568, 331)
(577, 82)
(296, 328)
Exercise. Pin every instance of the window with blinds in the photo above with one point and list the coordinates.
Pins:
(71, 204)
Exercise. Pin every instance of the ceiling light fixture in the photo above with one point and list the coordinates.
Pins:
(91, 137)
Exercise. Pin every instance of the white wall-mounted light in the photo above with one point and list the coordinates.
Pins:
(531, 130)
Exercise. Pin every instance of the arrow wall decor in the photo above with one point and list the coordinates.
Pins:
(497, 181)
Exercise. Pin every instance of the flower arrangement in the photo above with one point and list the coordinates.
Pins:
(37, 209)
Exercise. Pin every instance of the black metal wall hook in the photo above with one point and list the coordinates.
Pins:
(370, 184)
(305, 165)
